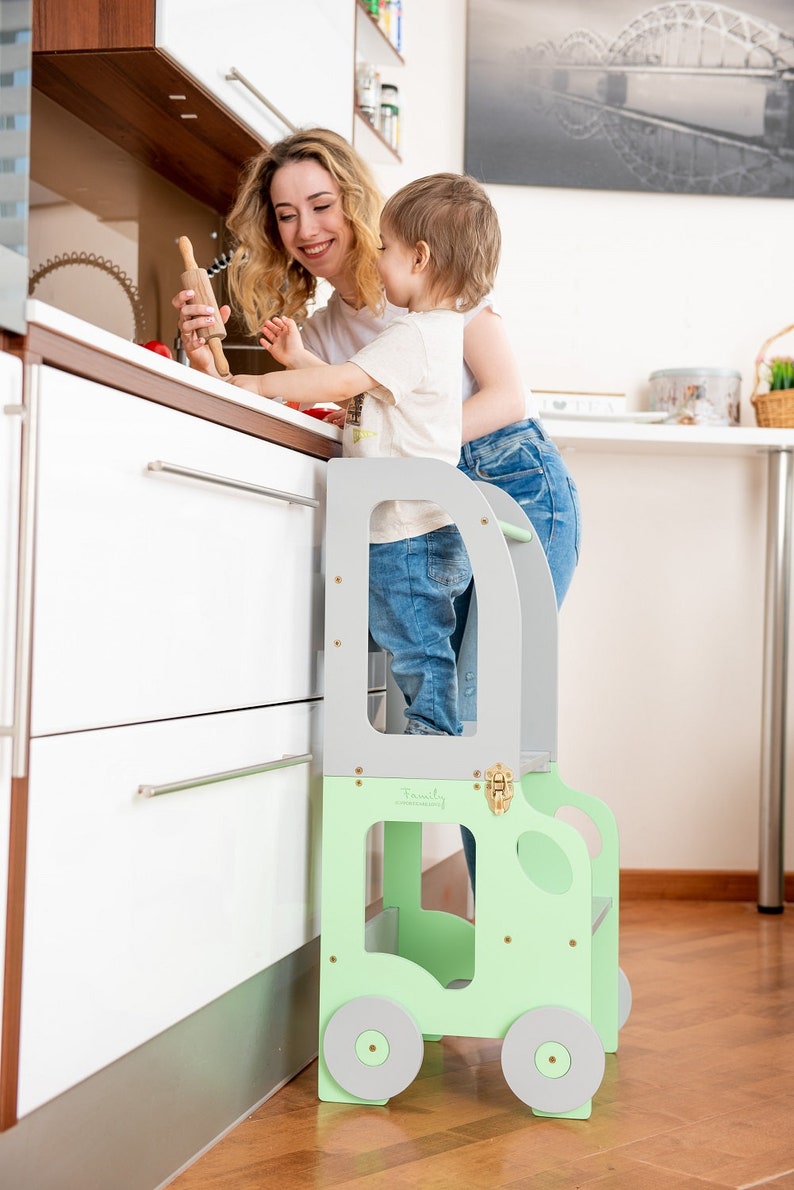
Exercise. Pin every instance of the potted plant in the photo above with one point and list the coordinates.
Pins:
(780, 372)
(775, 407)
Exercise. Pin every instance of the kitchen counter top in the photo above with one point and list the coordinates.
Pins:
(674, 439)
(66, 342)
(776, 446)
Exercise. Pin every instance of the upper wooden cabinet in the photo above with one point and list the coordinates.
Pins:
(188, 97)
(100, 63)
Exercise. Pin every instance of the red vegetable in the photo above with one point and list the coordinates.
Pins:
(160, 348)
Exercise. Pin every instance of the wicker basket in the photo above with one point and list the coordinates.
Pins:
(773, 408)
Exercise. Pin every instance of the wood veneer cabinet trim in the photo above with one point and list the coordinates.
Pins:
(92, 25)
(15, 922)
(99, 61)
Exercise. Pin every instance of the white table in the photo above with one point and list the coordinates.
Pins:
(778, 446)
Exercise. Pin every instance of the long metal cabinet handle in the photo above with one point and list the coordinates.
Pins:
(235, 76)
(239, 485)
(285, 762)
(27, 530)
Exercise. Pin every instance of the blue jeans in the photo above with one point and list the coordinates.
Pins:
(413, 585)
(524, 461)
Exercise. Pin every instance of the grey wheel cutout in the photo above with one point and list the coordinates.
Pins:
(373, 1014)
(624, 998)
(540, 1039)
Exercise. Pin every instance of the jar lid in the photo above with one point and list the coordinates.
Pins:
(390, 87)
(695, 372)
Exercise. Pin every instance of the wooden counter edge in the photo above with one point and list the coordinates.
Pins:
(49, 347)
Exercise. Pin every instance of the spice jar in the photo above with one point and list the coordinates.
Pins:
(368, 91)
(390, 115)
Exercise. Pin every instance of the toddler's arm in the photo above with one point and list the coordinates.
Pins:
(330, 382)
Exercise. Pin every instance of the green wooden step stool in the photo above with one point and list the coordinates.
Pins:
(540, 967)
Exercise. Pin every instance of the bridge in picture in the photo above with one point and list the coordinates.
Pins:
(692, 96)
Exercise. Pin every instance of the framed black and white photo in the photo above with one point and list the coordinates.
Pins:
(684, 97)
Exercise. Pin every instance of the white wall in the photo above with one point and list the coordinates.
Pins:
(661, 633)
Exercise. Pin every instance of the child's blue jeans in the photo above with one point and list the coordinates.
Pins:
(413, 587)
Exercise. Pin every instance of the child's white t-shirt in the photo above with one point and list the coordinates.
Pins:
(336, 331)
(414, 412)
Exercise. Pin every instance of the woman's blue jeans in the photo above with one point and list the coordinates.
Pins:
(523, 461)
(413, 587)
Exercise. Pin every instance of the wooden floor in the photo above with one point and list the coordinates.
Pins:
(701, 1092)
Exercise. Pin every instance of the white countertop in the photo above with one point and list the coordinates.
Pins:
(671, 439)
(52, 319)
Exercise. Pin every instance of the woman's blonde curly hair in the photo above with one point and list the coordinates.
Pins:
(263, 278)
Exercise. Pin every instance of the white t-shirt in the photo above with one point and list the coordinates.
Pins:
(414, 412)
(337, 331)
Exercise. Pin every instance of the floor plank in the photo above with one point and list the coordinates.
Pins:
(700, 1093)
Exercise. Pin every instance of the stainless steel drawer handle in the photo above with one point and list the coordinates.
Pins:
(234, 76)
(239, 485)
(269, 766)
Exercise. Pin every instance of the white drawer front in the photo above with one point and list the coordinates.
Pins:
(141, 910)
(159, 595)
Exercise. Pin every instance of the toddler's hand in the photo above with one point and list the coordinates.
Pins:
(253, 384)
(336, 417)
(281, 337)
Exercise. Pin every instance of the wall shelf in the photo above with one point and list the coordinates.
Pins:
(371, 144)
(372, 44)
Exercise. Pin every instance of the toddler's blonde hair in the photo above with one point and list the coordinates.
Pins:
(454, 216)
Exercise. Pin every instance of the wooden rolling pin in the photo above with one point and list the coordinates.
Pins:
(196, 279)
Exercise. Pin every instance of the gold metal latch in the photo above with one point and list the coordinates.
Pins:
(499, 788)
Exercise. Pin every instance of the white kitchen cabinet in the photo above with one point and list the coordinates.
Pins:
(140, 910)
(10, 459)
(159, 594)
(167, 779)
(298, 56)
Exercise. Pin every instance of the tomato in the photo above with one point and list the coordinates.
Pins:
(160, 348)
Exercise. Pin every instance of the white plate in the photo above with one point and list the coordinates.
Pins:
(646, 415)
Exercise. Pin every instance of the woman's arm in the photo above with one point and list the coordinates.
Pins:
(500, 399)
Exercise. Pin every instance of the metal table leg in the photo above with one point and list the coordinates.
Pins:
(773, 729)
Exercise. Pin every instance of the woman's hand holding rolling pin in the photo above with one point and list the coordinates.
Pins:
(193, 320)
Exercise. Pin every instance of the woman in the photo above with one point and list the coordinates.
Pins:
(307, 208)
